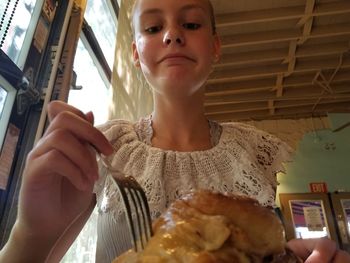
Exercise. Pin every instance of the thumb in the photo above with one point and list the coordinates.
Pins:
(89, 116)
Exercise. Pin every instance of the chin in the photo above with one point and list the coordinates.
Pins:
(209, 227)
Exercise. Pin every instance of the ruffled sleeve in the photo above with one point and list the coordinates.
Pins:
(269, 152)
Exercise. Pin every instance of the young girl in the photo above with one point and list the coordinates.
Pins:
(172, 151)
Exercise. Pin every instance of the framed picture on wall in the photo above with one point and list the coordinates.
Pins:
(308, 215)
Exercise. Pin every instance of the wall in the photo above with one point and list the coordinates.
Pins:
(292, 131)
(322, 156)
(131, 97)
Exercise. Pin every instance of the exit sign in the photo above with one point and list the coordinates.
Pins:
(320, 187)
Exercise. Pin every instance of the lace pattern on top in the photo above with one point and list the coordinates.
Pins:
(244, 161)
(144, 131)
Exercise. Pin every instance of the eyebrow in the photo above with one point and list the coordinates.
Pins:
(192, 6)
(159, 11)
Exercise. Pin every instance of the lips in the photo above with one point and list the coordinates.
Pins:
(176, 57)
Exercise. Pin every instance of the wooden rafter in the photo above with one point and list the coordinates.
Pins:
(272, 106)
(279, 85)
(268, 84)
(279, 54)
(268, 70)
(283, 35)
(297, 112)
(282, 13)
(339, 90)
(307, 21)
(281, 61)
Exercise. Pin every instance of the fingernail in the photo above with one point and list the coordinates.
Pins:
(90, 117)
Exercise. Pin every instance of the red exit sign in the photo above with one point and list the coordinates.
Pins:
(320, 187)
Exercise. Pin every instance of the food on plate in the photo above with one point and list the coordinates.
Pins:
(208, 227)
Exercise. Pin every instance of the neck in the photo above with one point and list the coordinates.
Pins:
(180, 124)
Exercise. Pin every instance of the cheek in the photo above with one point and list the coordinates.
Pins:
(145, 50)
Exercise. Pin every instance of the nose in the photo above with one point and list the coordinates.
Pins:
(173, 36)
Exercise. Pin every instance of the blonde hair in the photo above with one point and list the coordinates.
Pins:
(211, 13)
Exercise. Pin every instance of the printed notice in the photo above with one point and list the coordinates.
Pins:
(313, 218)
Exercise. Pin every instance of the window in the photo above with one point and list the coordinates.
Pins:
(91, 93)
(18, 31)
(7, 98)
(104, 26)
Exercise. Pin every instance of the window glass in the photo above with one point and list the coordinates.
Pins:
(92, 94)
(21, 21)
(3, 95)
(99, 17)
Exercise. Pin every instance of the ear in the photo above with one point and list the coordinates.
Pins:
(217, 48)
(135, 55)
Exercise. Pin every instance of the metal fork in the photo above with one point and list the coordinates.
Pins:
(135, 205)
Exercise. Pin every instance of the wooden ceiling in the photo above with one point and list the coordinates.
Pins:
(280, 59)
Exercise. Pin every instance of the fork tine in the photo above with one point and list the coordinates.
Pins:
(121, 187)
(143, 216)
(136, 206)
(140, 219)
(144, 207)
(137, 224)
(132, 193)
(146, 214)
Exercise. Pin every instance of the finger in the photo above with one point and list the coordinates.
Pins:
(341, 257)
(52, 166)
(56, 107)
(323, 250)
(299, 248)
(89, 116)
(66, 143)
(92, 153)
(313, 250)
(82, 129)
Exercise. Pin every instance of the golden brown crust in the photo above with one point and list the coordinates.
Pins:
(207, 227)
(245, 213)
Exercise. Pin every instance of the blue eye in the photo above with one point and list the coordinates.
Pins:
(153, 29)
(191, 26)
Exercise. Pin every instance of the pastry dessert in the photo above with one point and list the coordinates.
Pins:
(207, 227)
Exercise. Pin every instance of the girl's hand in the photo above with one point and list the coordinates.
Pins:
(59, 175)
(318, 250)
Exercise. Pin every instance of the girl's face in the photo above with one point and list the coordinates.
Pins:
(174, 44)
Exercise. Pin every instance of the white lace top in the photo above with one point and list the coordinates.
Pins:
(243, 160)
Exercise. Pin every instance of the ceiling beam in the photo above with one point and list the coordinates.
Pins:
(272, 106)
(322, 49)
(226, 74)
(253, 85)
(299, 93)
(263, 37)
(321, 110)
(283, 13)
(307, 21)
(279, 85)
(282, 54)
